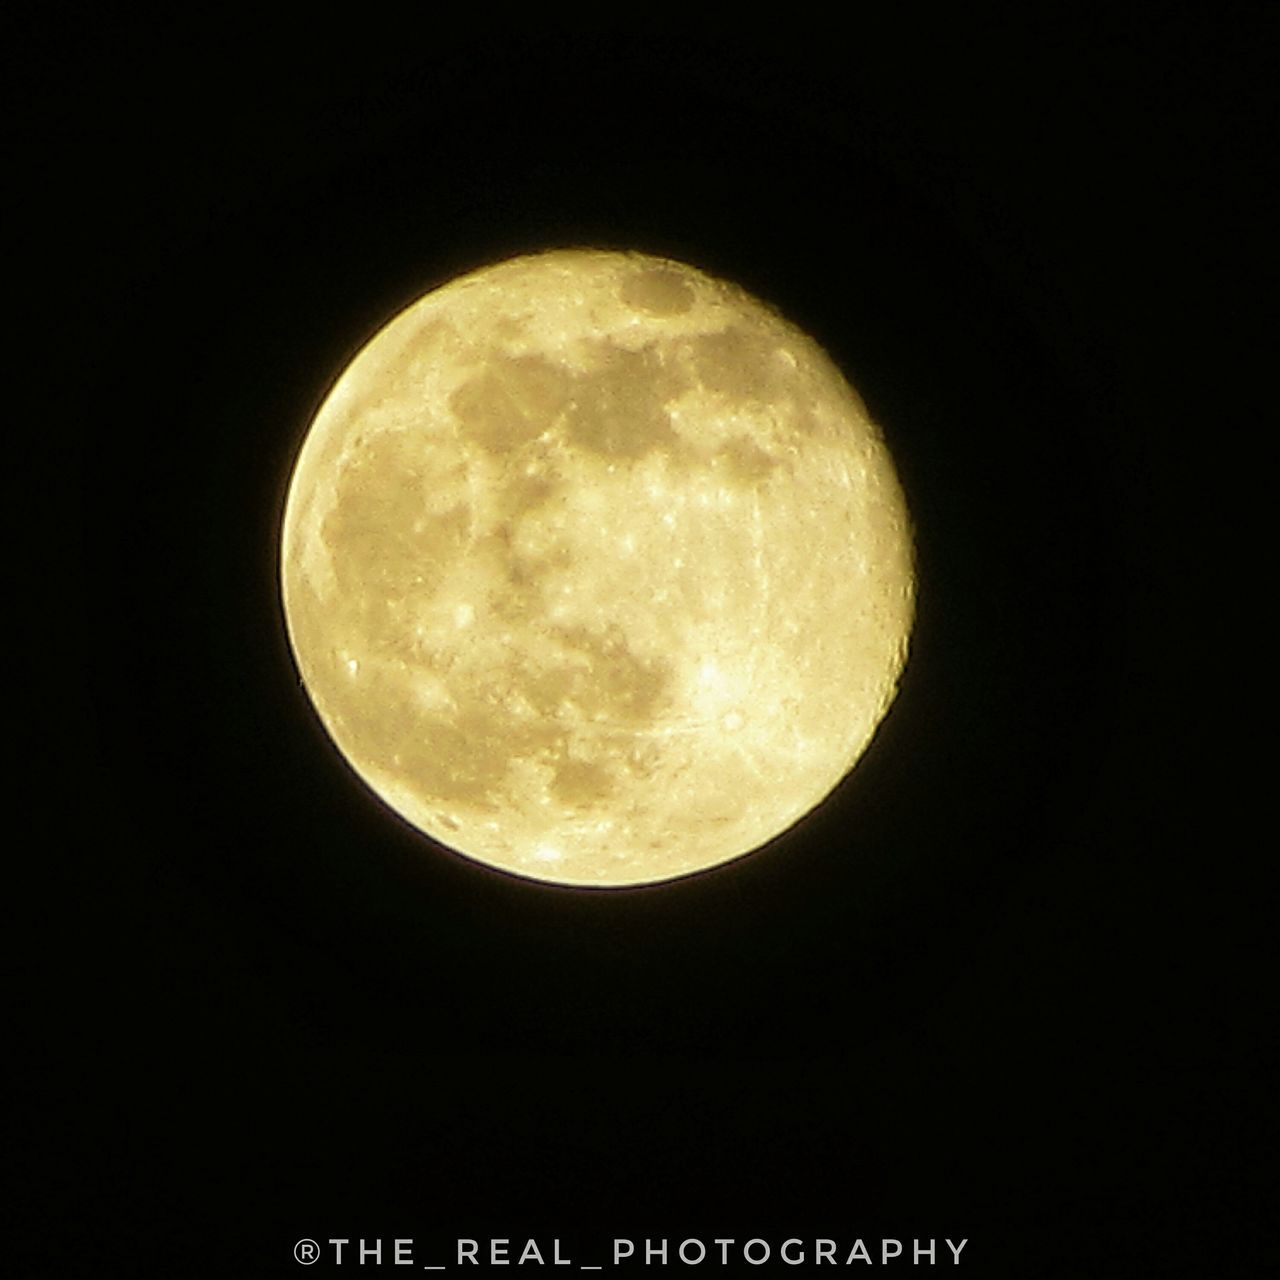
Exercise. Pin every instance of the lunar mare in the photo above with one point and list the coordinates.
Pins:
(595, 568)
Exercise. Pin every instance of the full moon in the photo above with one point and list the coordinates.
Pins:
(595, 569)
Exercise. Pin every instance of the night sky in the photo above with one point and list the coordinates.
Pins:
(1004, 985)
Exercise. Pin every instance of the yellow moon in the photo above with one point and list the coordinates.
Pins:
(595, 568)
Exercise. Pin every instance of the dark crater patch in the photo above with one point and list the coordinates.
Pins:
(657, 291)
(524, 492)
(619, 410)
(384, 544)
(581, 784)
(511, 402)
(465, 760)
(746, 462)
(741, 361)
(614, 684)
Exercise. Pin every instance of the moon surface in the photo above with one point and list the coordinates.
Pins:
(595, 568)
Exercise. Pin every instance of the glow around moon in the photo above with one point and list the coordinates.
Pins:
(596, 570)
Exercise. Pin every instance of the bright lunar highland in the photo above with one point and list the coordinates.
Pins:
(595, 568)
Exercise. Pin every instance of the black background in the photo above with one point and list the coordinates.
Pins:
(1005, 985)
